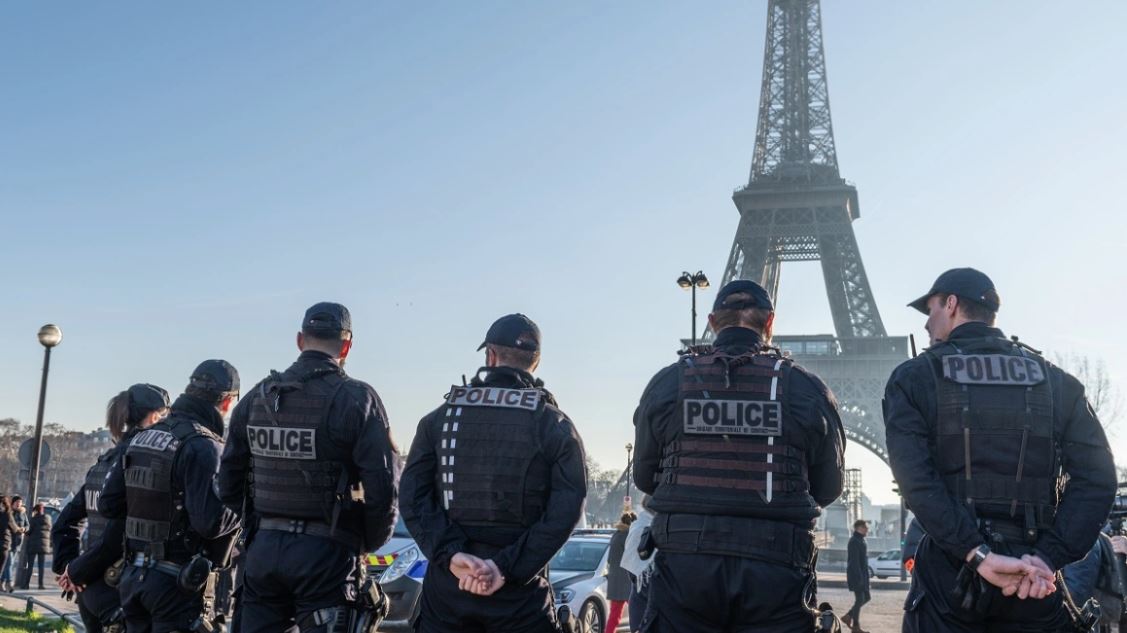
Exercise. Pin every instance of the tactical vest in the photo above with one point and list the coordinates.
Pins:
(297, 472)
(491, 471)
(994, 438)
(95, 479)
(733, 449)
(156, 524)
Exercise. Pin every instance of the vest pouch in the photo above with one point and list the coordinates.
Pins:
(194, 575)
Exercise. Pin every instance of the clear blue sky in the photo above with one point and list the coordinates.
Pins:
(180, 182)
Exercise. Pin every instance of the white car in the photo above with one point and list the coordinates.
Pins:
(578, 576)
(400, 567)
(886, 564)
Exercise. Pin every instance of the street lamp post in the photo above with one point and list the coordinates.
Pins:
(49, 336)
(689, 281)
(629, 469)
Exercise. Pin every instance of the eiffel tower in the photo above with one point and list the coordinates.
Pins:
(797, 207)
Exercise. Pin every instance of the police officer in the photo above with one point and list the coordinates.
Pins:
(310, 452)
(130, 411)
(493, 487)
(740, 449)
(980, 431)
(177, 531)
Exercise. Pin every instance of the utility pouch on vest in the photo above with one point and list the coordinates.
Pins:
(193, 576)
(112, 576)
(373, 599)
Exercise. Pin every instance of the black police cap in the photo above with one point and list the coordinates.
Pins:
(513, 330)
(327, 318)
(215, 376)
(759, 296)
(967, 283)
(144, 399)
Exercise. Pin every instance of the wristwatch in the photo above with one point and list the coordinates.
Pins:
(980, 554)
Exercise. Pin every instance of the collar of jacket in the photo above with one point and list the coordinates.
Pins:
(201, 411)
(738, 337)
(505, 377)
(974, 330)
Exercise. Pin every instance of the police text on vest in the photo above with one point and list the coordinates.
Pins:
(155, 440)
(284, 443)
(992, 369)
(494, 397)
(733, 417)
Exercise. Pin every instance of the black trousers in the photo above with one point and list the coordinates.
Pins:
(96, 604)
(930, 607)
(31, 559)
(445, 608)
(153, 603)
(289, 576)
(709, 593)
(860, 599)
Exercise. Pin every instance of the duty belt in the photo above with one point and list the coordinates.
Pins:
(770, 540)
(163, 566)
(312, 528)
(1000, 530)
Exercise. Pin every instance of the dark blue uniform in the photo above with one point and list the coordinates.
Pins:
(514, 496)
(304, 563)
(953, 529)
(150, 596)
(734, 526)
(98, 603)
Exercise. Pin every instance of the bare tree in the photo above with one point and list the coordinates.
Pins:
(1103, 395)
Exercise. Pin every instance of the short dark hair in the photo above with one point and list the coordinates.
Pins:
(754, 318)
(208, 395)
(515, 357)
(977, 311)
(17, 498)
(859, 522)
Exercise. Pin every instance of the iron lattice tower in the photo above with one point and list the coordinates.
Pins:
(797, 207)
(851, 496)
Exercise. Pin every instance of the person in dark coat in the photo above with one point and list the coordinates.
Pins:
(618, 579)
(19, 519)
(38, 542)
(8, 528)
(857, 575)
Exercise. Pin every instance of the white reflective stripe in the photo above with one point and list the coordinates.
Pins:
(444, 443)
(453, 443)
(451, 461)
(449, 412)
(458, 411)
(443, 460)
(445, 427)
(770, 459)
(455, 427)
(771, 440)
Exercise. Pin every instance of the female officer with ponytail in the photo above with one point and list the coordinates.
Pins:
(128, 412)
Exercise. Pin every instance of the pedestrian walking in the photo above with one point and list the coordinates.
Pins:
(857, 575)
(982, 434)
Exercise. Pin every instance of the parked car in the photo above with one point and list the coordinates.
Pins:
(886, 564)
(578, 576)
(400, 567)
